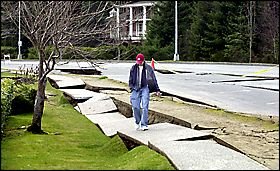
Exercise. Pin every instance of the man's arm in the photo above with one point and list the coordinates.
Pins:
(130, 81)
(156, 83)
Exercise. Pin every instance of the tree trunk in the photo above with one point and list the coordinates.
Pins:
(40, 97)
(251, 30)
(275, 51)
(119, 53)
(38, 108)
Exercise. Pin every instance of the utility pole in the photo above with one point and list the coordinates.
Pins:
(118, 32)
(176, 55)
(19, 41)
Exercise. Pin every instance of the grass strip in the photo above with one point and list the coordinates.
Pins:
(73, 143)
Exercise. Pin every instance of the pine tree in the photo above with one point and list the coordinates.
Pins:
(184, 25)
(160, 32)
(199, 27)
(236, 41)
(161, 28)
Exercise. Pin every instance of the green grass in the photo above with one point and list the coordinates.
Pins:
(103, 77)
(73, 143)
(8, 74)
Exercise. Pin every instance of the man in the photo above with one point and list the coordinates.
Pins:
(142, 81)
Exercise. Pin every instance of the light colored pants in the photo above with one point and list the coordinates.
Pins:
(140, 105)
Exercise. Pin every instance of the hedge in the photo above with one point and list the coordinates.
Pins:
(9, 50)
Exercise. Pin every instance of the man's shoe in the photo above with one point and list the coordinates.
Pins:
(137, 126)
(144, 128)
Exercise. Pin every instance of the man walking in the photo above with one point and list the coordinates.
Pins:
(142, 82)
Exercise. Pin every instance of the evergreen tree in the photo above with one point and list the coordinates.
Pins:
(215, 31)
(160, 32)
(161, 29)
(236, 41)
(219, 32)
(199, 27)
(184, 25)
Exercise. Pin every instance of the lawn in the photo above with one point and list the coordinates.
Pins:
(8, 74)
(73, 143)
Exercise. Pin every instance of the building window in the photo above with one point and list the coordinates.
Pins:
(139, 28)
(138, 13)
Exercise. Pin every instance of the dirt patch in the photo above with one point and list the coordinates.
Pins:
(255, 136)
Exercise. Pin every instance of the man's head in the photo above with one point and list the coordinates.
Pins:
(140, 59)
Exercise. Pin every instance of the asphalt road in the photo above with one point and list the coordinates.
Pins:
(249, 89)
(237, 88)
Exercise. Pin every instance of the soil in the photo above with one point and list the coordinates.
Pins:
(255, 136)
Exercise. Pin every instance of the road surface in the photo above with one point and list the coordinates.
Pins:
(249, 89)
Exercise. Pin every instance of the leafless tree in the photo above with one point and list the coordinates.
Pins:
(61, 25)
(270, 26)
(251, 6)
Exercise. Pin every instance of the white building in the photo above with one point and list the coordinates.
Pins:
(129, 21)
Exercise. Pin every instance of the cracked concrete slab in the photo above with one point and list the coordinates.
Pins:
(97, 104)
(105, 117)
(64, 81)
(205, 155)
(79, 94)
(163, 132)
(70, 83)
(57, 77)
(111, 128)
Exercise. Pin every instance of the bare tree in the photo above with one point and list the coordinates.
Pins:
(251, 25)
(61, 25)
(270, 26)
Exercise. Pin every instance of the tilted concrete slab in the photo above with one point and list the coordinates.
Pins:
(64, 81)
(105, 117)
(57, 77)
(70, 83)
(99, 96)
(79, 94)
(163, 132)
(111, 128)
(204, 155)
(96, 105)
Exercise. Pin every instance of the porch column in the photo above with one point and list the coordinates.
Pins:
(144, 21)
(118, 23)
(130, 22)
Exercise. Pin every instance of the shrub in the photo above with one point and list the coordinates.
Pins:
(101, 52)
(24, 99)
(104, 52)
(164, 53)
(16, 98)
(7, 94)
(151, 51)
(33, 52)
(9, 50)
(129, 52)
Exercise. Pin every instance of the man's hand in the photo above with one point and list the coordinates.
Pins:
(158, 93)
(129, 90)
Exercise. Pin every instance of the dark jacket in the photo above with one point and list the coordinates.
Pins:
(148, 78)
